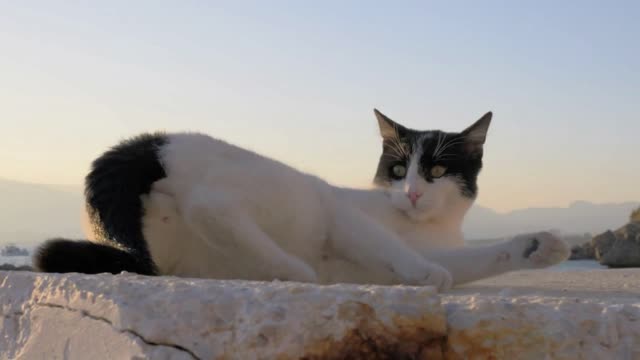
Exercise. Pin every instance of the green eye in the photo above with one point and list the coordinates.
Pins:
(399, 171)
(437, 171)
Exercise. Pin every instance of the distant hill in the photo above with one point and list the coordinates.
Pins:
(579, 218)
(30, 213)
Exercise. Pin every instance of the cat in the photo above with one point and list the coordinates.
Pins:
(190, 205)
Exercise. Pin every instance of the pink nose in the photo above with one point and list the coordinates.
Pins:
(413, 197)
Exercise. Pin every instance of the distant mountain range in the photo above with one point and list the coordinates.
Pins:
(30, 213)
(579, 218)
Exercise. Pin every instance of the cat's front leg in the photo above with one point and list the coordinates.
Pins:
(420, 272)
(527, 251)
(369, 244)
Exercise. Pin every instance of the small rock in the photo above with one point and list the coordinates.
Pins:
(585, 251)
(620, 248)
(11, 267)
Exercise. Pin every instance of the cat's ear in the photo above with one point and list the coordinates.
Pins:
(476, 134)
(388, 128)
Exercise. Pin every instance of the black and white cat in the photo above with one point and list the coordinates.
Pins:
(186, 204)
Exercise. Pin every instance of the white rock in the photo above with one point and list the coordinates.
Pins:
(123, 317)
(542, 315)
(546, 315)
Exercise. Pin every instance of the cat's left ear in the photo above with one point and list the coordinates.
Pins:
(476, 134)
(389, 129)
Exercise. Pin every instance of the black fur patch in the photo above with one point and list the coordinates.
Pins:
(113, 189)
(65, 256)
(464, 165)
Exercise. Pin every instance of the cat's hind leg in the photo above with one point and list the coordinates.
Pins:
(215, 216)
(527, 251)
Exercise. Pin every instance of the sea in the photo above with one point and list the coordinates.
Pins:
(577, 265)
(573, 265)
(15, 260)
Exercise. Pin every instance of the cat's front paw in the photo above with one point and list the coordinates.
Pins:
(424, 273)
(539, 250)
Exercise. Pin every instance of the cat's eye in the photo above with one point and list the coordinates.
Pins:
(437, 171)
(399, 171)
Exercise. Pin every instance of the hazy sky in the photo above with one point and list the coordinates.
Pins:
(297, 80)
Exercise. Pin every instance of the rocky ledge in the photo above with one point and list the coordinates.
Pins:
(525, 315)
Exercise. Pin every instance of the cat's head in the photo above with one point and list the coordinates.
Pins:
(427, 172)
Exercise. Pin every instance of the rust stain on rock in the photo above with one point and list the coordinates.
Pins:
(485, 341)
(419, 338)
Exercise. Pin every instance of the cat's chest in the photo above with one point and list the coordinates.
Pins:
(426, 237)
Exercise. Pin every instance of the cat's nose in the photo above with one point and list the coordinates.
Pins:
(413, 197)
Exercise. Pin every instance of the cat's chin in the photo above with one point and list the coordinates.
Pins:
(418, 215)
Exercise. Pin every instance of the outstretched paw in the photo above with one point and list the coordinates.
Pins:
(539, 250)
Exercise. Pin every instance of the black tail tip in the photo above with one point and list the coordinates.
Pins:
(69, 256)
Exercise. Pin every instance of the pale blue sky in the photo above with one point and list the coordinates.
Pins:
(298, 81)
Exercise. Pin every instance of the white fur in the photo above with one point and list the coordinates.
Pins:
(228, 213)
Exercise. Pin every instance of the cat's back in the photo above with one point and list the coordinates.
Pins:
(193, 159)
(176, 164)
(198, 154)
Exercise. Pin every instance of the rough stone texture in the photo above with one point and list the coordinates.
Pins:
(127, 316)
(546, 315)
(522, 315)
(602, 243)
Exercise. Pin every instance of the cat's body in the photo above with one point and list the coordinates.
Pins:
(189, 205)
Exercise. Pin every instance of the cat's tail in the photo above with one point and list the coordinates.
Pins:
(65, 256)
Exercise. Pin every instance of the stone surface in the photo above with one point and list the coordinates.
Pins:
(546, 315)
(521, 315)
(128, 316)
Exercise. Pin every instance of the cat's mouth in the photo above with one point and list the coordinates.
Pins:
(419, 213)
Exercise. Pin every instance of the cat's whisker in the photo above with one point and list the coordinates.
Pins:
(392, 144)
(402, 147)
(446, 157)
(399, 147)
(453, 140)
(439, 143)
(395, 148)
(395, 156)
(405, 152)
(450, 143)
